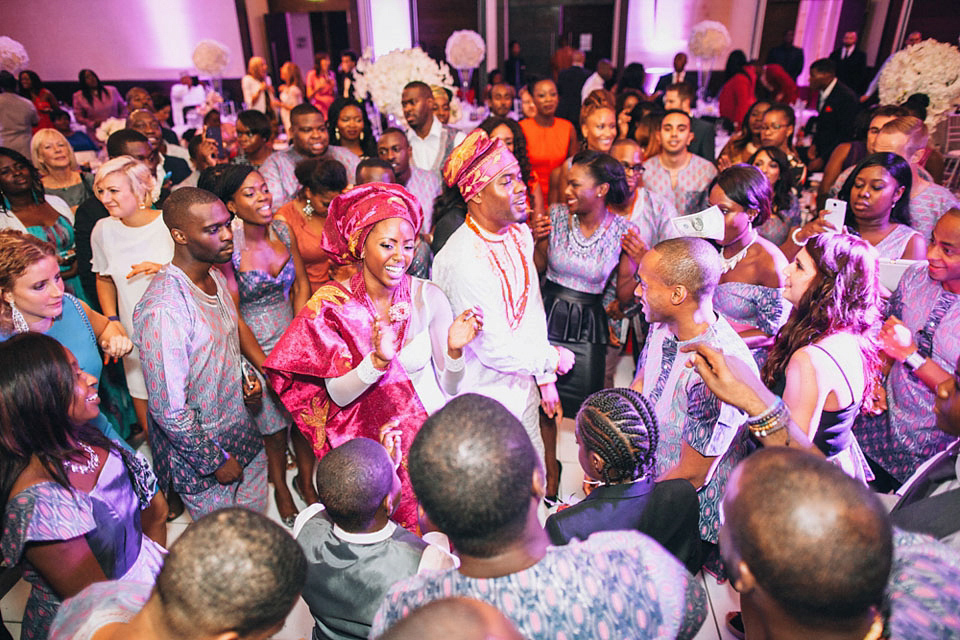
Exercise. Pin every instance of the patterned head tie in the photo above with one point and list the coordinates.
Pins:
(476, 162)
(352, 215)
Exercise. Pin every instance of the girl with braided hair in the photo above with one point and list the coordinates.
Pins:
(617, 434)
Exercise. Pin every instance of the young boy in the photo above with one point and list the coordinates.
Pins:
(355, 553)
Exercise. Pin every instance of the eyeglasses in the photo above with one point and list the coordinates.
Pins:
(634, 168)
(773, 127)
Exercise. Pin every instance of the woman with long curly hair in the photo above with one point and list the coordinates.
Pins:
(825, 360)
(617, 436)
(785, 214)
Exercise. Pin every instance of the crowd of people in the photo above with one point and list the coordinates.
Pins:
(407, 318)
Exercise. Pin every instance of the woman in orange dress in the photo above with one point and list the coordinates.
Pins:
(550, 140)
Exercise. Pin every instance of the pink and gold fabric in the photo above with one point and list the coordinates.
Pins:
(352, 215)
(476, 162)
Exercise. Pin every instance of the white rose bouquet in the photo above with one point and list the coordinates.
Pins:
(13, 57)
(211, 57)
(709, 39)
(465, 49)
(109, 126)
(928, 67)
(383, 79)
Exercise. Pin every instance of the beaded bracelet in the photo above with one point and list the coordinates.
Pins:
(770, 421)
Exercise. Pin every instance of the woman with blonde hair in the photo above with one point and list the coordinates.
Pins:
(53, 156)
(257, 89)
(291, 91)
(128, 247)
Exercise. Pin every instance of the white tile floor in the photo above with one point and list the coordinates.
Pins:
(299, 624)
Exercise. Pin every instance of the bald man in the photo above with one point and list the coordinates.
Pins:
(204, 440)
(813, 555)
(701, 438)
(461, 618)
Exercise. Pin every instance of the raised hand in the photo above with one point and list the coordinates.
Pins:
(384, 343)
(463, 330)
(896, 339)
(391, 439)
(632, 245)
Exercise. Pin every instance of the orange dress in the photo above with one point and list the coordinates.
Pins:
(315, 260)
(546, 147)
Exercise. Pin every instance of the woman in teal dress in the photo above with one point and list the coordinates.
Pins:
(47, 217)
(32, 298)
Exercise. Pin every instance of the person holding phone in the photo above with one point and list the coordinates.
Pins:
(877, 192)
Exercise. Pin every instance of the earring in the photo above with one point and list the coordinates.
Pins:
(19, 322)
(308, 210)
(361, 136)
(336, 133)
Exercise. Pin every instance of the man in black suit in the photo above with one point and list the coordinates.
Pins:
(787, 55)
(680, 96)
(569, 84)
(678, 75)
(851, 63)
(837, 109)
(348, 62)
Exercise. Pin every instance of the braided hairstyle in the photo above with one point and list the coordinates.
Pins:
(620, 426)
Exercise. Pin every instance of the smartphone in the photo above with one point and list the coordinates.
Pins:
(836, 212)
(215, 134)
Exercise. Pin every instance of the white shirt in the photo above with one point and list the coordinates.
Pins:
(592, 83)
(826, 94)
(425, 150)
(249, 84)
(505, 360)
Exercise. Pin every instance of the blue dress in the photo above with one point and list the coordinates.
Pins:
(265, 307)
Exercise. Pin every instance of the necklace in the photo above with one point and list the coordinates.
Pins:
(514, 308)
(93, 460)
(399, 311)
(730, 263)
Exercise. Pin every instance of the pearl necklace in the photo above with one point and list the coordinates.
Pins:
(729, 264)
(93, 460)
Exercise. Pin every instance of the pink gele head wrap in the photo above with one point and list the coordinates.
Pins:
(476, 162)
(352, 215)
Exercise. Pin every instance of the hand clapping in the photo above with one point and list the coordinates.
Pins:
(463, 330)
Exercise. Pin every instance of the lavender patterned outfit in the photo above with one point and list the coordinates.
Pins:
(753, 305)
(108, 517)
(927, 207)
(100, 604)
(690, 195)
(578, 269)
(906, 434)
(265, 307)
(616, 584)
(190, 353)
(777, 227)
(893, 246)
(689, 412)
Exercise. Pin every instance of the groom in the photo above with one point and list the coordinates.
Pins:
(488, 262)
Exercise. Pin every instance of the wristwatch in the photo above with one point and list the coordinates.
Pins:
(914, 361)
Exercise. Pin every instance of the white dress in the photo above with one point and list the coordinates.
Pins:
(116, 248)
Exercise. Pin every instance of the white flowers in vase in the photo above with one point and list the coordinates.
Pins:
(709, 39)
(109, 126)
(383, 79)
(211, 57)
(929, 67)
(465, 49)
(13, 57)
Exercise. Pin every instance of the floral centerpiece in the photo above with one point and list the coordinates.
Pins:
(465, 50)
(383, 79)
(929, 67)
(211, 57)
(13, 57)
(708, 40)
(109, 126)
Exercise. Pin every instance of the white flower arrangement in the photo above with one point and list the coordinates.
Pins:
(211, 57)
(13, 57)
(709, 39)
(383, 79)
(456, 110)
(109, 126)
(465, 49)
(928, 67)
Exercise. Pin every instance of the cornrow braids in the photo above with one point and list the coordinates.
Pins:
(620, 426)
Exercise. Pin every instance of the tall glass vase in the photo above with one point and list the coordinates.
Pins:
(465, 75)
